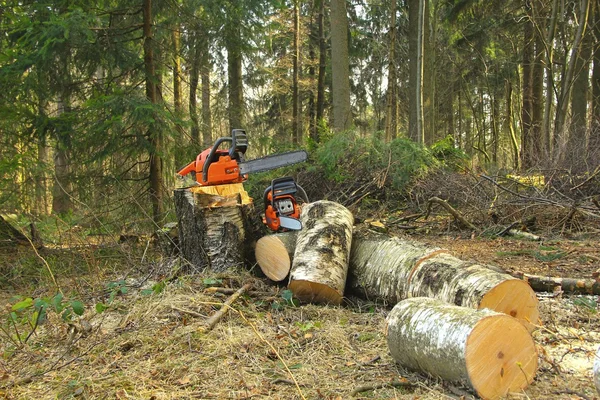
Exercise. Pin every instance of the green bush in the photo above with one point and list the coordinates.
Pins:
(350, 157)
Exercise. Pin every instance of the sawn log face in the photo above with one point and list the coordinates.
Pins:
(488, 351)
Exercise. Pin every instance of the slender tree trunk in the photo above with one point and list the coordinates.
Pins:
(527, 160)
(579, 95)
(415, 42)
(177, 94)
(234, 70)
(595, 133)
(560, 132)
(550, 86)
(340, 66)
(193, 102)
(154, 134)
(312, 73)
(391, 98)
(322, 68)
(509, 126)
(538, 148)
(205, 68)
(296, 136)
(41, 184)
(61, 201)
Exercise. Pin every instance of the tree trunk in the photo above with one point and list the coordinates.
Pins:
(296, 135)
(62, 188)
(538, 148)
(391, 98)
(234, 71)
(415, 55)
(579, 99)
(274, 254)
(488, 351)
(340, 66)
(596, 78)
(177, 93)
(154, 134)
(527, 160)
(322, 69)
(213, 226)
(320, 264)
(391, 269)
(550, 87)
(205, 67)
(193, 102)
(509, 125)
(560, 133)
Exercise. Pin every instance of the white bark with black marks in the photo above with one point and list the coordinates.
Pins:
(488, 351)
(320, 263)
(392, 269)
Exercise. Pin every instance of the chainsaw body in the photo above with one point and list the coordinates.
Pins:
(281, 207)
(216, 166)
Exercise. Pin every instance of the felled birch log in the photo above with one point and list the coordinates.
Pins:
(490, 352)
(212, 226)
(392, 269)
(274, 254)
(320, 263)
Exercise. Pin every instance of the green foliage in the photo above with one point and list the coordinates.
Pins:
(587, 303)
(446, 152)
(349, 157)
(26, 314)
(288, 300)
(113, 289)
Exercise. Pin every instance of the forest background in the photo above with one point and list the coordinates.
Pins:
(102, 101)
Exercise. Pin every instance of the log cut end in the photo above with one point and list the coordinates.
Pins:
(515, 298)
(500, 357)
(273, 257)
(313, 292)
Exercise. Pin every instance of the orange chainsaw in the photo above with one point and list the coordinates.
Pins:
(281, 207)
(218, 166)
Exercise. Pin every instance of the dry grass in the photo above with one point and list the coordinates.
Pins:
(154, 347)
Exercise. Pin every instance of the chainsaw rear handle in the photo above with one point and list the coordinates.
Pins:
(283, 186)
(237, 149)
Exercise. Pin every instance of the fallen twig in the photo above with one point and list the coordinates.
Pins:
(458, 216)
(211, 322)
(190, 312)
(567, 285)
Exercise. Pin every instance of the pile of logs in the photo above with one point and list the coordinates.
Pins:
(454, 319)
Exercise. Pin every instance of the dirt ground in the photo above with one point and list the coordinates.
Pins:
(150, 346)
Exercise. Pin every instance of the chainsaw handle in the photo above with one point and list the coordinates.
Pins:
(237, 149)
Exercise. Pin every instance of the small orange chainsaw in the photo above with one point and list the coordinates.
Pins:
(215, 166)
(281, 208)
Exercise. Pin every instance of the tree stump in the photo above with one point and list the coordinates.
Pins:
(490, 352)
(274, 254)
(214, 225)
(392, 269)
(320, 265)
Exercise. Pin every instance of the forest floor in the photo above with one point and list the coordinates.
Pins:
(148, 344)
